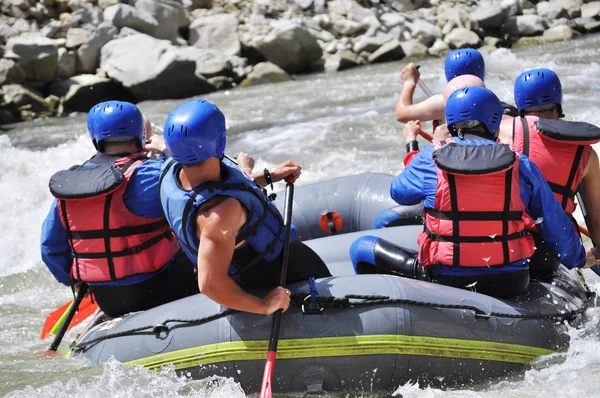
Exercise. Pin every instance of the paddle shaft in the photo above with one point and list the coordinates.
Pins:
(265, 391)
(429, 93)
(65, 325)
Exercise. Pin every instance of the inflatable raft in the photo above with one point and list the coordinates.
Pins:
(361, 202)
(368, 333)
(349, 333)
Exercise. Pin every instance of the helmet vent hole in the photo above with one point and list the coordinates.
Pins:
(185, 132)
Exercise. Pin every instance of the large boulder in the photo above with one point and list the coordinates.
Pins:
(291, 47)
(390, 51)
(167, 14)
(439, 48)
(371, 43)
(424, 31)
(82, 92)
(76, 37)
(11, 72)
(209, 63)
(152, 68)
(343, 59)
(488, 15)
(591, 10)
(525, 25)
(353, 11)
(551, 11)
(414, 48)
(461, 38)
(67, 63)
(37, 55)
(88, 54)
(23, 97)
(557, 33)
(121, 15)
(263, 73)
(218, 32)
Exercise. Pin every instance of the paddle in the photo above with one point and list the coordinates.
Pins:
(265, 390)
(427, 91)
(55, 319)
(586, 218)
(68, 318)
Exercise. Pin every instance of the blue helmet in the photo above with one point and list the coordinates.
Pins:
(195, 131)
(466, 61)
(474, 104)
(90, 121)
(116, 119)
(538, 87)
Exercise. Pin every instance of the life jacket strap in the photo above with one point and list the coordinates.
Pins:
(127, 252)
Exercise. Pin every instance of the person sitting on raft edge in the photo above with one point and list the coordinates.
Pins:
(106, 226)
(225, 222)
(475, 192)
(466, 61)
(562, 150)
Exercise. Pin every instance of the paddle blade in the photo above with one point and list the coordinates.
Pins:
(55, 318)
(265, 389)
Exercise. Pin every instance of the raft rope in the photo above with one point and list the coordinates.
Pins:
(348, 301)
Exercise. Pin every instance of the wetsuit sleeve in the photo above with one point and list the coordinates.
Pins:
(552, 222)
(141, 195)
(417, 182)
(56, 252)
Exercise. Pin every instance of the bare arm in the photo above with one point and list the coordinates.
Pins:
(278, 172)
(217, 229)
(590, 193)
(431, 109)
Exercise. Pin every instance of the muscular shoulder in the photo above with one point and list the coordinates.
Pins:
(222, 215)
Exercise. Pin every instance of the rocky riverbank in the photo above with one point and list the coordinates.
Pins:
(60, 56)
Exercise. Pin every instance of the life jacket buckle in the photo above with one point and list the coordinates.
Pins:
(272, 196)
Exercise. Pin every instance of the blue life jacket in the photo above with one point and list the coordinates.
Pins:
(263, 229)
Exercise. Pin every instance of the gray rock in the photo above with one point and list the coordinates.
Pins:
(67, 63)
(76, 37)
(424, 31)
(491, 41)
(402, 5)
(414, 48)
(11, 72)
(209, 62)
(23, 97)
(166, 13)
(510, 8)
(322, 35)
(558, 33)
(124, 32)
(6, 31)
(525, 25)
(573, 7)
(488, 15)
(448, 27)
(461, 38)
(82, 92)
(337, 7)
(88, 55)
(52, 29)
(206, 4)
(591, 26)
(345, 27)
(551, 11)
(391, 20)
(38, 11)
(79, 4)
(343, 59)
(390, 51)
(590, 10)
(122, 15)
(439, 48)
(152, 68)
(37, 55)
(88, 15)
(216, 31)
(103, 4)
(304, 4)
(291, 47)
(370, 44)
(263, 73)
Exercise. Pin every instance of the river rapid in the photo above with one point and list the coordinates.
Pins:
(334, 125)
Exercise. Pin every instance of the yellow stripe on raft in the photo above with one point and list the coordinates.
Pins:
(345, 346)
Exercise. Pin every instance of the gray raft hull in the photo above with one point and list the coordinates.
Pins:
(368, 348)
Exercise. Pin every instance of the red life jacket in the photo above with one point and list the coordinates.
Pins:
(108, 241)
(477, 217)
(560, 149)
